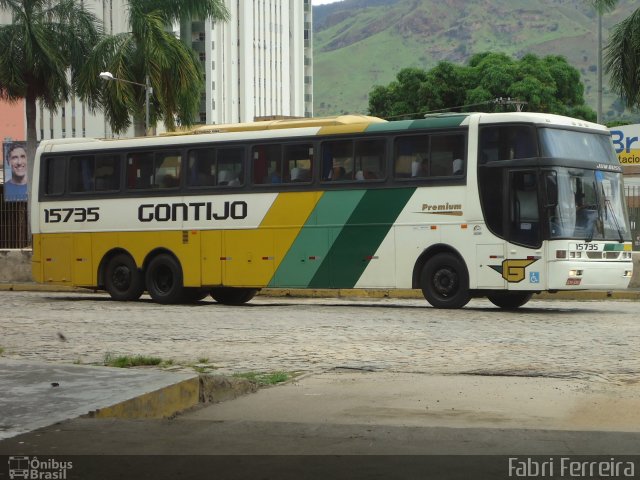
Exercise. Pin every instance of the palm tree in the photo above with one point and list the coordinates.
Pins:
(623, 59)
(45, 42)
(149, 52)
(601, 6)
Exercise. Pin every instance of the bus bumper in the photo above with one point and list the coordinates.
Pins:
(568, 275)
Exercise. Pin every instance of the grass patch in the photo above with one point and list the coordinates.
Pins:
(126, 361)
(263, 379)
(1, 350)
(203, 360)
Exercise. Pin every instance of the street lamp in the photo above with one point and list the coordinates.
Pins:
(148, 90)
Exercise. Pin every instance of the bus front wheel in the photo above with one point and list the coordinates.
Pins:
(444, 281)
(123, 280)
(509, 300)
(233, 296)
(164, 279)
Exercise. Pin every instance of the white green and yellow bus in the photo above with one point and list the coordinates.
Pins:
(465, 205)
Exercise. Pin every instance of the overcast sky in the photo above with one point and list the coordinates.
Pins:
(323, 2)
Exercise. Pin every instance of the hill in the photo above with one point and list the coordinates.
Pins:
(361, 43)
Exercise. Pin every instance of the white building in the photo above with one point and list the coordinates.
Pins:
(258, 64)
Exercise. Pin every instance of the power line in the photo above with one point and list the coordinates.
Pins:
(498, 101)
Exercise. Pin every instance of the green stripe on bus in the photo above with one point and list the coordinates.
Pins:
(444, 121)
(439, 122)
(358, 241)
(310, 248)
(614, 247)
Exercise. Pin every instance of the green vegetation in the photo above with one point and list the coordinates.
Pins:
(546, 84)
(1, 351)
(41, 54)
(367, 45)
(148, 49)
(126, 361)
(264, 379)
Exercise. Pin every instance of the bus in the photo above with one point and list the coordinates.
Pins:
(496, 205)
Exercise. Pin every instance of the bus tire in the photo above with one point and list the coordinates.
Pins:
(193, 294)
(445, 282)
(233, 296)
(123, 280)
(509, 300)
(164, 279)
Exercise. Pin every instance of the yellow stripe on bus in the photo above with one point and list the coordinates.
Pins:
(251, 257)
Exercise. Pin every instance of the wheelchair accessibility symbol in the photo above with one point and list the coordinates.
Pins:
(534, 277)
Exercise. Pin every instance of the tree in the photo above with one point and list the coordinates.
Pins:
(546, 84)
(149, 49)
(622, 59)
(601, 6)
(41, 54)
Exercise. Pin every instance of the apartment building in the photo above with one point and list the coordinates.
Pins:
(259, 64)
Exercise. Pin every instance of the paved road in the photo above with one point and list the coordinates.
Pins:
(584, 340)
(588, 407)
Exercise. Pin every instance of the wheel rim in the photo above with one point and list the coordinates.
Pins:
(445, 282)
(121, 278)
(163, 279)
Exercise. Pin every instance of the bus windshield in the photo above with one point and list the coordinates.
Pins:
(559, 143)
(586, 204)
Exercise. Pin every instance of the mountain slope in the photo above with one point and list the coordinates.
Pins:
(361, 43)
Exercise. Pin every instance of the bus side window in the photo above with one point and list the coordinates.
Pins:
(81, 174)
(202, 168)
(54, 175)
(140, 171)
(447, 155)
(525, 216)
(337, 161)
(167, 170)
(370, 159)
(267, 164)
(230, 163)
(107, 173)
(299, 161)
(411, 157)
(507, 142)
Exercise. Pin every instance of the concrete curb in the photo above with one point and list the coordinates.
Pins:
(162, 403)
(171, 400)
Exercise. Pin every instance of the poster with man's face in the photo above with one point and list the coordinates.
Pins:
(16, 178)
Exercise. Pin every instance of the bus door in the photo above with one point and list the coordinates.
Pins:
(523, 268)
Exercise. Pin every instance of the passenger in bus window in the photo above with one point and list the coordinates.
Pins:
(458, 166)
(202, 173)
(419, 167)
(227, 177)
(338, 173)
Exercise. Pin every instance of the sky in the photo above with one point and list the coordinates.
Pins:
(323, 2)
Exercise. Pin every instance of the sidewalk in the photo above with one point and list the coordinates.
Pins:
(36, 394)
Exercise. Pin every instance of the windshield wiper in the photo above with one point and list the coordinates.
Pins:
(607, 202)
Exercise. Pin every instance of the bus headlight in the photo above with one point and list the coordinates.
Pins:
(628, 273)
(575, 273)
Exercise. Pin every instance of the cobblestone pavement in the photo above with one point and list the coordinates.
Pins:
(588, 340)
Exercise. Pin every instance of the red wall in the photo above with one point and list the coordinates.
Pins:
(12, 121)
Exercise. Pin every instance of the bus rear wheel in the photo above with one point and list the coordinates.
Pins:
(123, 280)
(233, 296)
(444, 281)
(164, 279)
(193, 294)
(509, 300)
